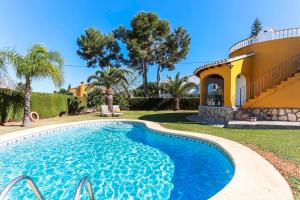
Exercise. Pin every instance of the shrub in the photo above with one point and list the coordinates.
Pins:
(122, 100)
(48, 105)
(190, 103)
(11, 104)
(144, 103)
(95, 98)
(75, 105)
(45, 104)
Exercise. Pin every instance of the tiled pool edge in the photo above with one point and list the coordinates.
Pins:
(254, 177)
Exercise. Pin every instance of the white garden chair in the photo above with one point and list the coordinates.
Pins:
(105, 112)
(117, 111)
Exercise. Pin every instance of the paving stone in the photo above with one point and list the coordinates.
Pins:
(256, 111)
(263, 124)
(281, 111)
(283, 118)
(274, 112)
(292, 117)
(288, 111)
(274, 118)
(295, 110)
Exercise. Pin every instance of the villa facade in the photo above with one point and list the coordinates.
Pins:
(80, 90)
(261, 78)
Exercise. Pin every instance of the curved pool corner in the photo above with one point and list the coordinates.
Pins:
(254, 177)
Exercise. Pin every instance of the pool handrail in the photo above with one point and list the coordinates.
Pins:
(12, 183)
(79, 187)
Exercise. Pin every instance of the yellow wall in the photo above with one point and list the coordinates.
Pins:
(223, 71)
(269, 54)
(242, 66)
(266, 56)
(287, 96)
(80, 90)
(229, 74)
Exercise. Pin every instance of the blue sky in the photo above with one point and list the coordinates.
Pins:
(213, 25)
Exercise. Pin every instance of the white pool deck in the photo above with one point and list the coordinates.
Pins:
(254, 177)
(263, 124)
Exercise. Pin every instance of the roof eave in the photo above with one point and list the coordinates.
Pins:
(224, 61)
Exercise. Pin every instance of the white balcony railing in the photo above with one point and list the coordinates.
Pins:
(266, 36)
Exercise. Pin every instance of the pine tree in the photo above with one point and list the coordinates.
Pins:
(99, 49)
(150, 42)
(256, 27)
(142, 40)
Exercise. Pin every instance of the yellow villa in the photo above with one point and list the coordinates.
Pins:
(261, 78)
(80, 90)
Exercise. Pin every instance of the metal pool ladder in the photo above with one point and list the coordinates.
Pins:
(37, 192)
(11, 184)
(79, 187)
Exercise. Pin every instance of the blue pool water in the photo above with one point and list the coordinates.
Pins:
(122, 160)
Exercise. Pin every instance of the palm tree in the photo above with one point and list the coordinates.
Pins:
(178, 87)
(108, 79)
(3, 58)
(2, 66)
(38, 62)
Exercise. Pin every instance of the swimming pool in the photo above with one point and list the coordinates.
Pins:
(123, 160)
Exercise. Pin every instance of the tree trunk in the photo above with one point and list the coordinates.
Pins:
(158, 77)
(26, 118)
(145, 81)
(109, 99)
(176, 104)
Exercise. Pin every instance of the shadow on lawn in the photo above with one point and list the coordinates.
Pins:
(172, 117)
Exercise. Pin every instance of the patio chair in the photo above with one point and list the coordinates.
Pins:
(117, 111)
(105, 112)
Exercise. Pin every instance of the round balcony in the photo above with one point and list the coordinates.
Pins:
(266, 35)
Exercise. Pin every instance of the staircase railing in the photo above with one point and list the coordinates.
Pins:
(11, 184)
(275, 75)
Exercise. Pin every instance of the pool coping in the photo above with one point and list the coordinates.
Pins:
(254, 177)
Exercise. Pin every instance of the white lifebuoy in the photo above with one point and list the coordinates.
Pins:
(34, 116)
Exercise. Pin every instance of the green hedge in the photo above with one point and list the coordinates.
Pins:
(45, 104)
(49, 105)
(144, 103)
(11, 104)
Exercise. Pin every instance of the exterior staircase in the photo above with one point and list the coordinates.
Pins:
(272, 90)
(273, 80)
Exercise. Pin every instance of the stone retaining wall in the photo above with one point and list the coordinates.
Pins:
(216, 114)
(276, 114)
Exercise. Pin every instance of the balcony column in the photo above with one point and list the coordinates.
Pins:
(203, 91)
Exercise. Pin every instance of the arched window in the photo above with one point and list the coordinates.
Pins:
(215, 90)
